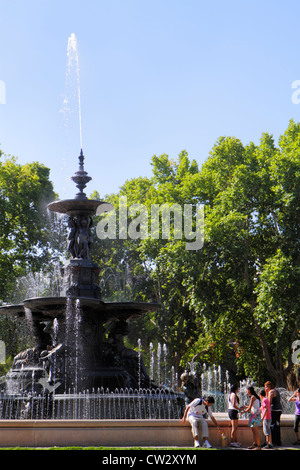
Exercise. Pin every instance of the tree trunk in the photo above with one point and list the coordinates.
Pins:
(277, 375)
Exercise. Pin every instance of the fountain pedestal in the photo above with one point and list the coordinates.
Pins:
(81, 278)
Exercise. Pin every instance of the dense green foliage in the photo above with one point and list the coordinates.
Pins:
(25, 191)
(236, 300)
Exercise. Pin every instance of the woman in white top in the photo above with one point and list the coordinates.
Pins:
(255, 418)
(233, 413)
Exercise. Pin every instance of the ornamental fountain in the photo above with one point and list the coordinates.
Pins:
(79, 366)
(73, 350)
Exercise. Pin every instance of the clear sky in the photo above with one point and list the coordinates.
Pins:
(156, 76)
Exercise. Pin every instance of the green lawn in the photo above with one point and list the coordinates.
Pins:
(106, 448)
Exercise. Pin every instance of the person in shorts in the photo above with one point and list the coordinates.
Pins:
(266, 419)
(233, 414)
(255, 418)
(196, 413)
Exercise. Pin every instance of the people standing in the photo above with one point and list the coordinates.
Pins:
(255, 419)
(296, 398)
(266, 419)
(196, 413)
(276, 410)
(233, 413)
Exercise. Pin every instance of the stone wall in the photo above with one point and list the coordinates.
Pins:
(123, 433)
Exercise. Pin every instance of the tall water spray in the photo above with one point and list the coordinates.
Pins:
(70, 101)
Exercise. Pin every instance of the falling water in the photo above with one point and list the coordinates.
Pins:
(151, 362)
(165, 351)
(29, 319)
(141, 403)
(95, 404)
(139, 359)
(158, 363)
(74, 365)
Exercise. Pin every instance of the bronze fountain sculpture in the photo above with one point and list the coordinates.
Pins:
(72, 350)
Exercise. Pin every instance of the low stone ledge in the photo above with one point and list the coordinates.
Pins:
(124, 433)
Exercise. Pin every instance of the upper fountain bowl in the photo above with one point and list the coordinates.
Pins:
(74, 207)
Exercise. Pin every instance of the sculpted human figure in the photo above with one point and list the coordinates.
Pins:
(29, 357)
(84, 237)
(72, 236)
(129, 358)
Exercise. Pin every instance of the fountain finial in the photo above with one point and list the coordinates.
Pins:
(81, 160)
(81, 178)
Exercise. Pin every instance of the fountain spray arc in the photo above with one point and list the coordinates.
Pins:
(73, 350)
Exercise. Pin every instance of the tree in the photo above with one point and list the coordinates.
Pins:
(235, 301)
(25, 191)
(155, 266)
(252, 211)
(277, 312)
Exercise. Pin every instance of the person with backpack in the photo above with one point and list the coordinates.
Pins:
(196, 413)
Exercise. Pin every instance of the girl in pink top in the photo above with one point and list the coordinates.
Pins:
(266, 418)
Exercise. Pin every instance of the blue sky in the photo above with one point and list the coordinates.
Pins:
(156, 76)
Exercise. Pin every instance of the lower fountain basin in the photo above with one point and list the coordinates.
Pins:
(79, 343)
(56, 306)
